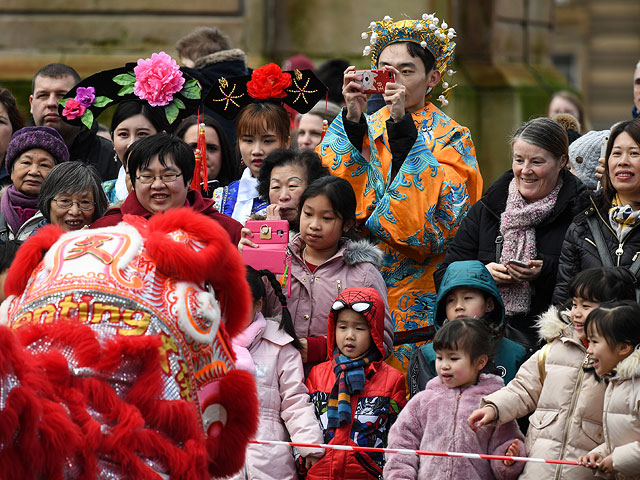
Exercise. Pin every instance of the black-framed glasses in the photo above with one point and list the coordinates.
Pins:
(166, 178)
(66, 204)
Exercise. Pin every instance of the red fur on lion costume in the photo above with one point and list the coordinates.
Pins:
(115, 358)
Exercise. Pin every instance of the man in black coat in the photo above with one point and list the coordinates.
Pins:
(49, 85)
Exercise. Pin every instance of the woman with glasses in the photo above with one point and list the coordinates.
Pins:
(161, 168)
(131, 121)
(71, 196)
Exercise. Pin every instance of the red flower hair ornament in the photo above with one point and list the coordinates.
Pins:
(299, 89)
(268, 82)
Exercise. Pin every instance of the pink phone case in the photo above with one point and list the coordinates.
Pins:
(272, 237)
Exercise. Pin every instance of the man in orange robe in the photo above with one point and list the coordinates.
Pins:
(413, 168)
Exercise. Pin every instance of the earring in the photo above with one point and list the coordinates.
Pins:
(242, 162)
(115, 157)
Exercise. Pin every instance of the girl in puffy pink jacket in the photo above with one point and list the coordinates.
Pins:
(436, 418)
(269, 350)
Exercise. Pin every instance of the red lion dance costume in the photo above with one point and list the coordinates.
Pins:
(115, 359)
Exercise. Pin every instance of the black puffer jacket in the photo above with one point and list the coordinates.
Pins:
(579, 250)
(476, 240)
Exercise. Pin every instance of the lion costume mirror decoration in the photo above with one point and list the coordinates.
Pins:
(115, 358)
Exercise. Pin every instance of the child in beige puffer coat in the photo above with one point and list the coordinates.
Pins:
(557, 386)
(614, 345)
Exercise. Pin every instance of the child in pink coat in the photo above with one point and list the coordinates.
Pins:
(436, 418)
(270, 351)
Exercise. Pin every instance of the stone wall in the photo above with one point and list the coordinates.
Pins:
(601, 40)
(503, 55)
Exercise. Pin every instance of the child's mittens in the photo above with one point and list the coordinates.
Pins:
(512, 451)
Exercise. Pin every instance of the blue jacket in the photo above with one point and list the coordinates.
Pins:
(509, 355)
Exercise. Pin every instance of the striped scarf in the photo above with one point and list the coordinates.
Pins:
(350, 378)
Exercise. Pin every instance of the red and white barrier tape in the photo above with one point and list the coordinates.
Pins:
(405, 451)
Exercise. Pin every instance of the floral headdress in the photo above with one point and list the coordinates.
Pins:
(300, 89)
(157, 80)
(427, 32)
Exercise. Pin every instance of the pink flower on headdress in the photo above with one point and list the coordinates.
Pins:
(86, 96)
(157, 79)
(268, 82)
(73, 109)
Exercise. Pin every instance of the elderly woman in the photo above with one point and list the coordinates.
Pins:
(606, 233)
(71, 196)
(161, 168)
(516, 228)
(284, 175)
(31, 154)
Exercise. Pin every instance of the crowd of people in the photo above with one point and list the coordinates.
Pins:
(412, 310)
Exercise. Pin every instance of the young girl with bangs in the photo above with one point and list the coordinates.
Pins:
(324, 260)
(557, 384)
(613, 330)
(261, 127)
(435, 419)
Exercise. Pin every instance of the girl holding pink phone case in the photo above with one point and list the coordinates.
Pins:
(324, 261)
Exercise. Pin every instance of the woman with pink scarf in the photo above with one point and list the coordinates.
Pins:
(31, 154)
(516, 229)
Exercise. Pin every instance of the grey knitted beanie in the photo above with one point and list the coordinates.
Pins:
(29, 138)
(584, 154)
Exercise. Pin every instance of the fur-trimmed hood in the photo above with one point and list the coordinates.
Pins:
(231, 55)
(629, 367)
(553, 324)
(352, 252)
(362, 251)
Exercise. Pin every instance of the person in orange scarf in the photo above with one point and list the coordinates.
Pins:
(412, 167)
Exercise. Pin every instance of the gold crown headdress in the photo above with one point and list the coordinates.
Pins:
(427, 32)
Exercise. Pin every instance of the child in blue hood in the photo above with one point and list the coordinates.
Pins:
(467, 291)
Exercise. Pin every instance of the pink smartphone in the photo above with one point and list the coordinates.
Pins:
(518, 262)
(272, 237)
(375, 81)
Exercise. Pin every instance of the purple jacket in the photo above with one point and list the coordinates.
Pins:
(436, 419)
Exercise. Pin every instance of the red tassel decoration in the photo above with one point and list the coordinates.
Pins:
(202, 146)
(195, 181)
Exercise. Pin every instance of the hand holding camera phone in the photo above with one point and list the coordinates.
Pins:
(375, 81)
(272, 237)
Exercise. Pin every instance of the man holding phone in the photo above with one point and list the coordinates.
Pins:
(413, 169)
